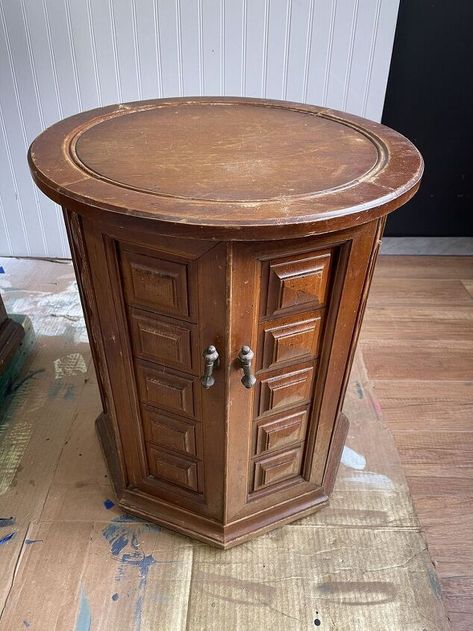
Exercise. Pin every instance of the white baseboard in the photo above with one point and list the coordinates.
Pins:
(446, 246)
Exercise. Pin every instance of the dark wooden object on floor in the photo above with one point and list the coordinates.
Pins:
(11, 334)
(224, 250)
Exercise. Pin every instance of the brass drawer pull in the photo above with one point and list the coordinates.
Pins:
(245, 357)
(210, 358)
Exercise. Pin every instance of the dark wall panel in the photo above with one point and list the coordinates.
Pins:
(430, 100)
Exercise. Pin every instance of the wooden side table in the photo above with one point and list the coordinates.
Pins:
(224, 249)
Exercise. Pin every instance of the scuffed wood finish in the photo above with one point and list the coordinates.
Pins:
(227, 168)
(224, 223)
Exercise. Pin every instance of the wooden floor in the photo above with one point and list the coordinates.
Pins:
(417, 343)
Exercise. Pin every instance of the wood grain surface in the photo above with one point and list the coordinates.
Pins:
(230, 168)
(419, 358)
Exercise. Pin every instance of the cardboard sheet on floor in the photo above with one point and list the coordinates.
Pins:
(69, 559)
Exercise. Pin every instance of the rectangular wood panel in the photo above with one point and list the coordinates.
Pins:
(280, 431)
(290, 294)
(277, 468)
(156, 283)
(162, 341)
(297, 282)
(173, 468)
(286, 390)
(166, 389)
(294, 340)
(170, 432)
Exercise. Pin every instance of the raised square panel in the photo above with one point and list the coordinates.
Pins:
(164, 342)
(285, 390)
(173, 468)
(281, 431)
(156, 283)
(170, 432)
(165, 389)
(277, 468)
(291, 341)
(297, 282)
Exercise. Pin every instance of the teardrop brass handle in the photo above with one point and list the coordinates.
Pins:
(210, 359)
(245, 358)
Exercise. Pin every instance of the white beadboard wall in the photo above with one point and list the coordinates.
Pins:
(58, 57)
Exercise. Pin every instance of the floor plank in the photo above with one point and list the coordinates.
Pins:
(418, 323)
(427, 444)
(461, 621)
(434, 405)
(446, 267)
(428, 486)
(420, 292)
(422, 360)
(417, 343)
(459, 591)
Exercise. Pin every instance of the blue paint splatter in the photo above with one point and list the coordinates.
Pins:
(130, 519)
(7, 521)
(138, 611)
(115, 596)
(118, 544)
(28, 542)
(84, 617)
(108, 504)
(434, 582)
(122, 533)
(70, 393)
(7, 538)
(2, 271)
(359, 390)
(142, 561)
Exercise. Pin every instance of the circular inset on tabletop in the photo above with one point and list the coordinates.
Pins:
(240, 152)
(236, 168)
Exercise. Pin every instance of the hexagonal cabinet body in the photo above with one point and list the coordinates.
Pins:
(225, 462)
(224, 249)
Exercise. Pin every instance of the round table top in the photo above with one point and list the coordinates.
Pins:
(234, 168)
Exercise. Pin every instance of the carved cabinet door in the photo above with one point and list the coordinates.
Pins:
(298, 305)
(239, 450)
(161, 303)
